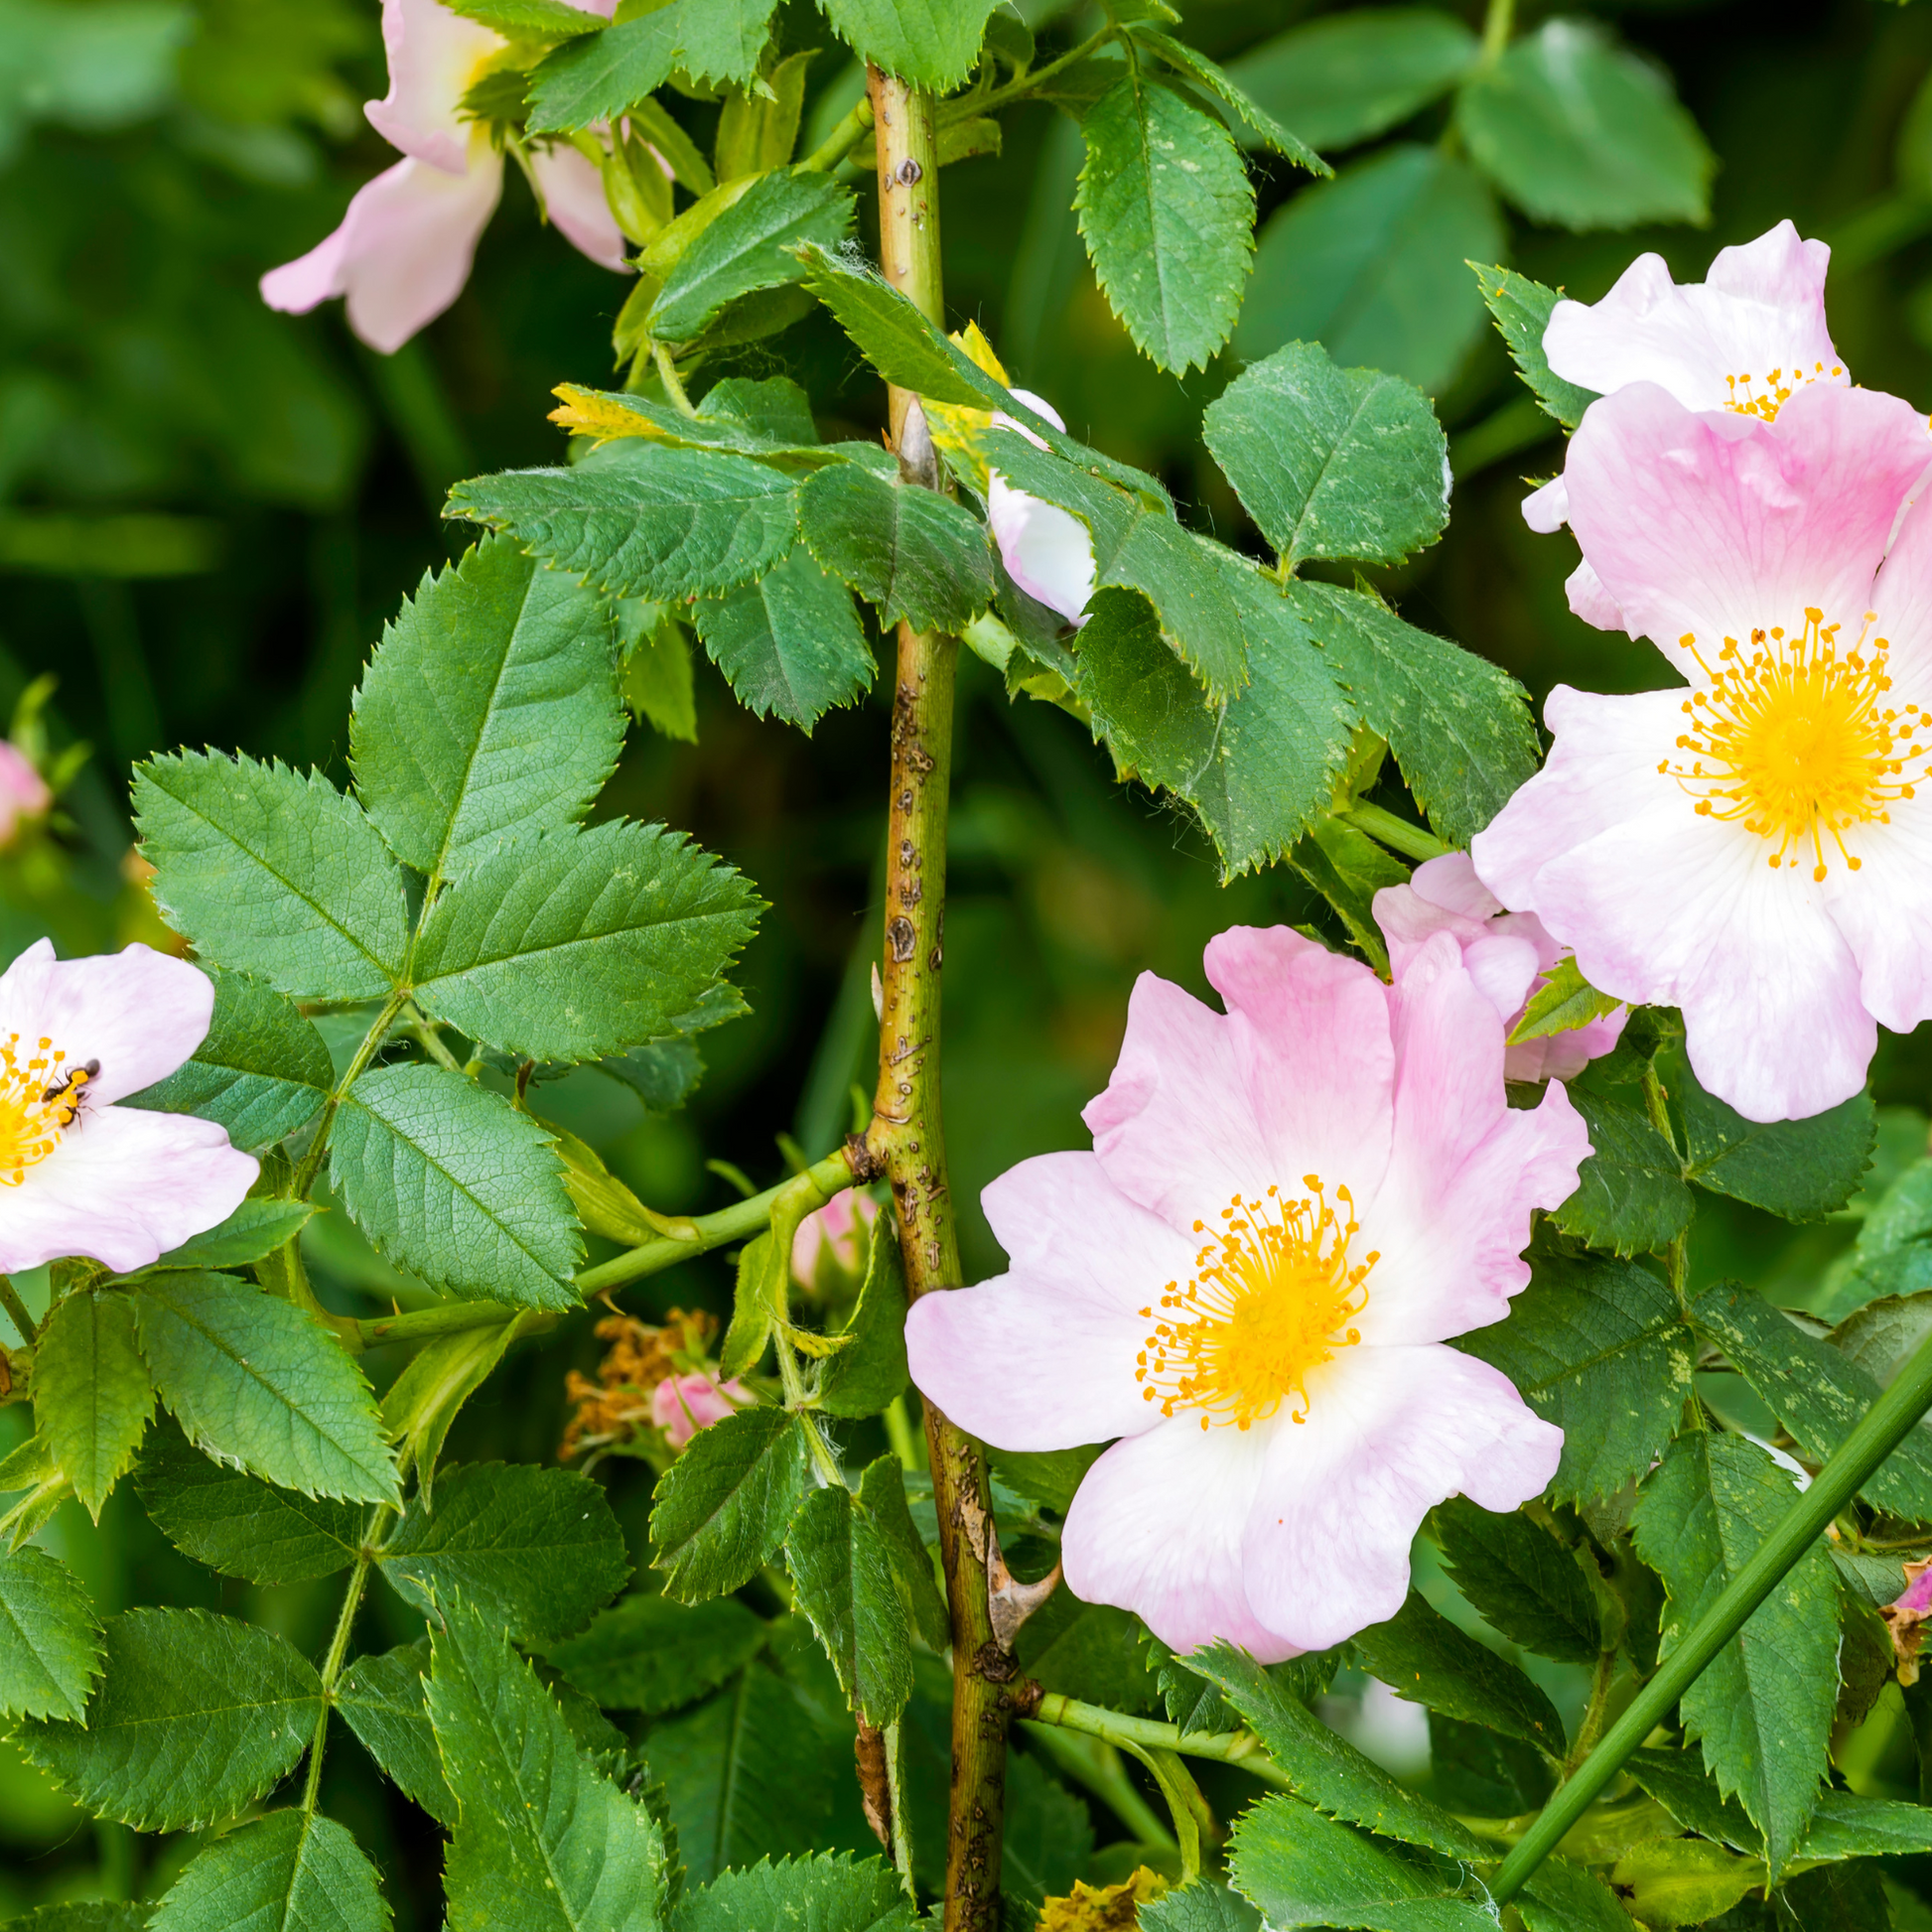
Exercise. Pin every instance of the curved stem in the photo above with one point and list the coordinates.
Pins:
(1412, 841)
(839, 143)
(1240, 1747)
(1025, 86)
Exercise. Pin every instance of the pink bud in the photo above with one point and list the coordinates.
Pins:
(23, 792)
(685, 1403)
(836, 1238)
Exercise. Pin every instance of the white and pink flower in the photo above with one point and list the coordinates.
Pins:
(78, 1174)
(403, 251)
(1751, 849)
(1048, 551)
(24, 793)
(1287, 1210)
(681, 1405)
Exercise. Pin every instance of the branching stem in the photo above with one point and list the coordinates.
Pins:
(332, 1665)
(1025, 86)
(305, 1174)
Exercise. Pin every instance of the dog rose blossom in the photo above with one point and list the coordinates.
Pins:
(1751, 849)
(403, 251)
(1509, 955)
(78, 1174)
(1288, 1207)
(1046, 550)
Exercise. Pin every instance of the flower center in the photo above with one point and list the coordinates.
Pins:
(1795, 741)
(39, 1099)
(1779, 387)
(1271, 1300)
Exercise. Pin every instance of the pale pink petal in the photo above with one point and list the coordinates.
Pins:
(834, 1236)
(123, 1186)
(1390, 1433)
(312, 279)
(1449, 884)
(573, 198)
(138, 1012)
(23, 792)
(435, 56)
(1548, 508)
(1643, 330)
(681, 1405)
(1884, 912)
(1902, 600)
(1562, 1056)
(1046, 550)
(1157, 1526)
(1589, 601)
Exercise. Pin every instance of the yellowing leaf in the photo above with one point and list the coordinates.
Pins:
(956, 428)
(1102, 1909)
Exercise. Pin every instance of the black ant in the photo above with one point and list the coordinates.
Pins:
(73, 1082)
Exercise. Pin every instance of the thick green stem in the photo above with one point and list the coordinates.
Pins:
(332, 1665)
(1412, 841)
(839, 143)
(1885, 1425)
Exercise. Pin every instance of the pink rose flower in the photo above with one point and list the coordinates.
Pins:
(684, 1404)
(836, 1239)
(23, 792)
(1046, 550)
(1288, 1209)
(82, 1176)
(403, 251)
(1749, 850)
(1508, 955)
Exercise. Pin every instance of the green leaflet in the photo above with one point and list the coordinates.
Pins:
(932, 44)
(1202, 1906)
(1349, 868)
(1763, 1707)
(1332, 462)
(535, 1551)
(1579, 133)
(842, 1580)
(1093, 1652)
(1521, 1579)
(289, 1871)
(50, 1638)
(1846, 1826)
(1478, 1772)
(577, 944)
(752, 246)
(862, 1378)
(1598, 1348)
(453, 1184)
(1257, 125)
(1166, 210)
(197, 1716)
(544, 1840)
(530, 20)
(1422, 1656)
(1047, 1842)
(384, 1698)
(94, 1916)
(255, 1230)
(239, 1524)
(1674, 1881)
(1374, 266)
(489, 711)
(1522, 310)
(1566, 1000)
(260, 1383)
(725, 1506)
(272, 874)
(1893, 1256)
(426, 1398)
(791, 645)
(913, 553)
(813, 1894)
(1630, 1194)
(641, 519)
(652, 1654)
(596, 78)
(759, 131)
(1678, 1781)
(91, 1394)
(261, 1073)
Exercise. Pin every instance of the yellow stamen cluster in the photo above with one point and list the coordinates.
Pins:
(1795, 741)
(1272, 1300)
(1780, 386)
(39, 1099)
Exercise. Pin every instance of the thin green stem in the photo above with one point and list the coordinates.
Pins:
(1885, 1425)
(305, 1175)
(1497, 26)
(1595, 1712)
(1096, 1764)
(839, 143)
(16, 1311)
(450, 1319)
(332, 1664)
(1412, 841)
(429, 1037)
(673, 382)
(1240, 1747)
(1025, 86)
(1677, 1257)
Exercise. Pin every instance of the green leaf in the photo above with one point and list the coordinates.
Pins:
(426, 1398)
(1356, 75)
(1798, 1168)
(910, 552)
(289, 1871)
(1677, 1780)
(261, 1073)
(91, 1394)
(813, 1894)
(791, 645)
(196, 1717)
(259, 1226)
(544, 1840)
(639, 519)
(535, 1550)
(1522, 311)
(1332, 462)
(1304, 1869)
(1045, 1476)
(1349, 868)
(1763, 1707)
(650, 1654)
(843, 1582)
(1202, 1906)
(1816, 1392)
(489, 711)
(860, 1379)
(1049, 1836)
(273, 874)
(753, 244)
(882, 1489)
(1166, 210)
(1326, 1769)
(258, 1383)
(94, 1916)
(1847, 1826)
(236, 1523)
(454, 1185)
(1478, 1772)
(1893, 1256)
(597, 77)
(1671, 1881)
(1093, 1652)
(1630, 1194)
(1521, 1579)
(1460, 727)
(1582, 134)
(1563, 1001)
(1423, 1657)
(50, 1638)
(657, 682)
(932, 44)
(1258, 127)
(529, 19)
(577, 944)
(1373, 265)
(385, 1698)
(1598, 1348)
(723, 1506)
